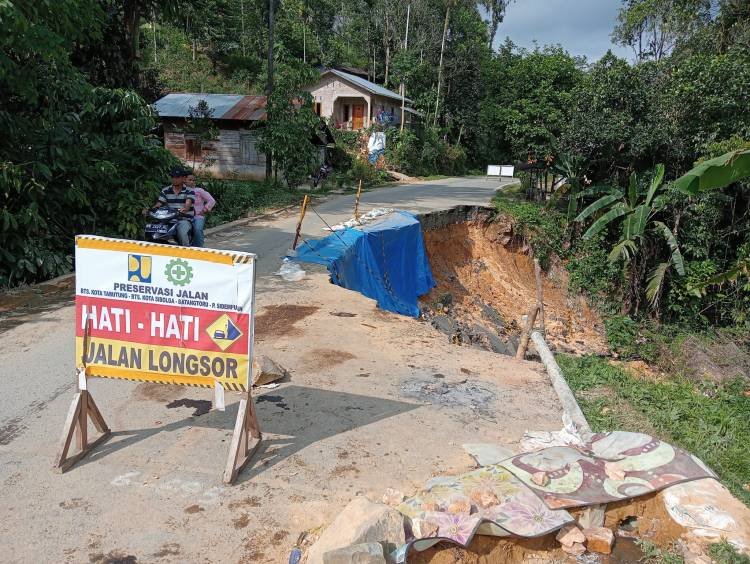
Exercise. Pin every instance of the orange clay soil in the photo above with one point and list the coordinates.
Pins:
(482, 262)
(653, 523)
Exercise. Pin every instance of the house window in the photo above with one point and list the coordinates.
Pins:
(346, 112)
(248, 151)
(193, 149)
(317, 108)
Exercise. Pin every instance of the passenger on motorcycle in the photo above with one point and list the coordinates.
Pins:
(179, 197)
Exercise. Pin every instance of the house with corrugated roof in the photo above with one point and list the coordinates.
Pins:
(353, 102)
(234, 152)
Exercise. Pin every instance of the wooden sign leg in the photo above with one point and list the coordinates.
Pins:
(245, 440)
(81, 409)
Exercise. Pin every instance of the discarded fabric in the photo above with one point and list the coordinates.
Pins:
(488, 501)
(607, 467)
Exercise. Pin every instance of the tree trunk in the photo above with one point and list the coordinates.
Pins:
(440, 66)
(132, 16)
(269, 81)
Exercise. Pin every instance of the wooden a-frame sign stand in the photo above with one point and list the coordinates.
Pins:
(245, 440)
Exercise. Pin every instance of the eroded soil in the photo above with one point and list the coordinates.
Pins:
(479, 263)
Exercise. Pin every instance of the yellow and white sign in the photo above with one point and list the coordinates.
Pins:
(160, 313)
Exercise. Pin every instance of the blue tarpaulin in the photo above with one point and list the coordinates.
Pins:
(384, 260)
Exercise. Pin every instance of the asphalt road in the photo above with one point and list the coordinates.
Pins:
(36, 356)
(271, 239)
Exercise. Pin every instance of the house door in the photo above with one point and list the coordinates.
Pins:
(358, 116)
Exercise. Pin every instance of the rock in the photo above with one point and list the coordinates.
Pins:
(570, 534)
(446, 299)
(540, 478)
(484, 497)
(460, 505)
(488, 340)
(491, 315)
(392, 497)
(613, 470)
(360, 522)
(266, 370)
(576, 549)
(599, 539)
(444, 324)
(424, 528)
(364, 553)
(513, 343)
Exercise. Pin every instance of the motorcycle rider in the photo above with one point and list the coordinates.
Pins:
(179, 197)
(204, 203)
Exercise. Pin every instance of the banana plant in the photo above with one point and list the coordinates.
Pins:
(636, 212)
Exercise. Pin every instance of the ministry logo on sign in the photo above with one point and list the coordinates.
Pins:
(139, 268)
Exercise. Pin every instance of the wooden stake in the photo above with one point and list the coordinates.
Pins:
(524, 344)
(356, 201)
(539, 294)
(302, 211)
(245, 440)
(82, 408)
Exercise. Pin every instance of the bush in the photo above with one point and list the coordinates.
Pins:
(542, 228)
(235, 198)
(592, 273)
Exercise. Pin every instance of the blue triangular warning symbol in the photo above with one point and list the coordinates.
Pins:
(232, 331)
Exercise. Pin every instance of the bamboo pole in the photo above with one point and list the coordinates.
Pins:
(539, 294)
(303, 209)
(356, 201)
(528, 327)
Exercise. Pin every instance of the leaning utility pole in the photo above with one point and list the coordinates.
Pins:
(403, 86)
(269, 81)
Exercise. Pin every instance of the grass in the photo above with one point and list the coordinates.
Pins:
(724, 553)
(236, 198)
(653, 554)
(709, 420)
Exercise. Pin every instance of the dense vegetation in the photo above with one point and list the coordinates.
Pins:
(80, 151)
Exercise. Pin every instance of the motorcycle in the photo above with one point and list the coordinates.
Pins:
(321, 174)
(161, 225)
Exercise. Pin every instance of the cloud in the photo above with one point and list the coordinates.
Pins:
(582, 27)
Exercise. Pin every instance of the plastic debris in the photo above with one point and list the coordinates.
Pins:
(569, 435)
(363, 219)
(290, 271)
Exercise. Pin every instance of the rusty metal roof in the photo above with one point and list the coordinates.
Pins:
(234, 107)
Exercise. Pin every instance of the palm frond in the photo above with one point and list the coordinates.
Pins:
(655, 282)
(625, 249)
(655, 183)
(676, 257)
(741, 268)
(602, 202)
(618, 210)
(633, 189)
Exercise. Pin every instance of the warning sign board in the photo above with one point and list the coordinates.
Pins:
(161, 313)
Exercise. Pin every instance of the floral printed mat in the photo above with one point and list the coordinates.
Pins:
(489, 499)
(607, 467)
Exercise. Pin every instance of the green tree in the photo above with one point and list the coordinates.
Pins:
(653, 28)
(636, 212)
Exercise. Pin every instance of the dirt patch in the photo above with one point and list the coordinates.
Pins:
(169, 549)
(619, 408)
(652, 521)
(193, 509)
(154, 391)
(113, 557)
(719, 358)
(485, 278)
(22, 304)
(201, 407)
(280, 320)
(320, 359)
(241, 522)
(247, 502)
(492, 549)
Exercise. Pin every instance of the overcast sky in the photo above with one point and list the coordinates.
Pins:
(582, 27)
